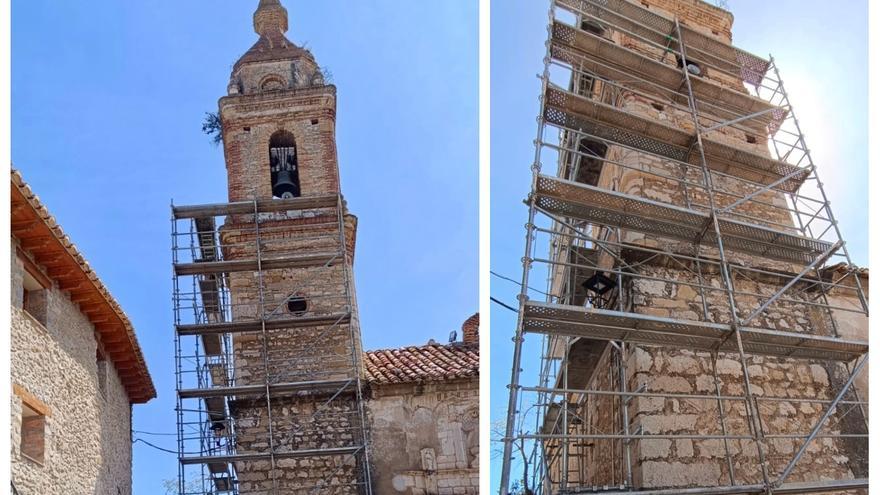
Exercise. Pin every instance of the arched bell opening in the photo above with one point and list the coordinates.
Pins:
(284, 166)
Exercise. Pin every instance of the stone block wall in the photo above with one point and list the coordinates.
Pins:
(87, 435)
(301, 422)
(425, 438)
(327, 352)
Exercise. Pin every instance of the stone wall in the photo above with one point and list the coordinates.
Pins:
(425, 438)
(302, 422)
(87, 433)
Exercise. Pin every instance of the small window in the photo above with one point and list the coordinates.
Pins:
(591, 156)
(582, 85)
(751, 139)
(658, 106)
(33, 434)
(272, 83)
(591, 26)
(692, 67)
(35, 299)
(103, 373)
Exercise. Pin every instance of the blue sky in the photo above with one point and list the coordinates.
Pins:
(822, 57)
(108, 99)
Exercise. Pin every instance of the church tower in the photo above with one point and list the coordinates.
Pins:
(269, 350)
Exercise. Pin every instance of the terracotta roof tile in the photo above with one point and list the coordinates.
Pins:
(425, 363)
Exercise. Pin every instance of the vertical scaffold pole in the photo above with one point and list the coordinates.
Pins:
(751, 404)
(509, 432)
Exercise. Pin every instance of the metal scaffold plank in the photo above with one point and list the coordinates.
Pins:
(297, 261)
(596, 54)
(317, 386)
(216, 409)
(557, 319)
(566, 109)
(659, 30)
(256, 326)
(278, 455)
(602, 206)
(755, 489)
(247, 207)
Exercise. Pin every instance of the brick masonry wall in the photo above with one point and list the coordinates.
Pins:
(425, 438)
(87, 436)
(249, 121)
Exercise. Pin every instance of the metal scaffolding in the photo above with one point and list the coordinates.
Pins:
(601, 55)
(229, 319)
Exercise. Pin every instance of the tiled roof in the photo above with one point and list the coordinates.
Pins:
(427, 363)
(32, 220)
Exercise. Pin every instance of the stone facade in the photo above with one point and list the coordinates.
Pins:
(425, 437)
(423, 412)
(87, 415)
(668, 289)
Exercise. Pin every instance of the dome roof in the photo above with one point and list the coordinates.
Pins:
(270, 22)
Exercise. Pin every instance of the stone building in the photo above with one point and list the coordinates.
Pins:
(423, 408)
(273, 388)
(77, 368)
(704, 317)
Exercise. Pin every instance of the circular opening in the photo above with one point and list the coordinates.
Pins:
(692, 67)
(297, 305)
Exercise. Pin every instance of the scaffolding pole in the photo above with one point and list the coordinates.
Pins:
(212, 320)
(714, 218)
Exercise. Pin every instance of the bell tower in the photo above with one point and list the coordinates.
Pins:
(279, 118)
(274, 331)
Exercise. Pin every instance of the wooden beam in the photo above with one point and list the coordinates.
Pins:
(62, 272)
(84, 296)
(33, 269)
(91, 306)
(18, 206)
(22, 226)
(68, 283)
(127, 365)
(31, 234)
(35, 243)
(105, 327)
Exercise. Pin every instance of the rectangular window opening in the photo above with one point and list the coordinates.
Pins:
(35, 300)
(33, 434)
(103, 372)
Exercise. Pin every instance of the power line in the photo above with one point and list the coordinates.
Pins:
(154, 433)
(496, 301)
(517, 283)
(136, 440)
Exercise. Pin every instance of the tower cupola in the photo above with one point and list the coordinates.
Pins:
(274, 63)
(270, 18)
